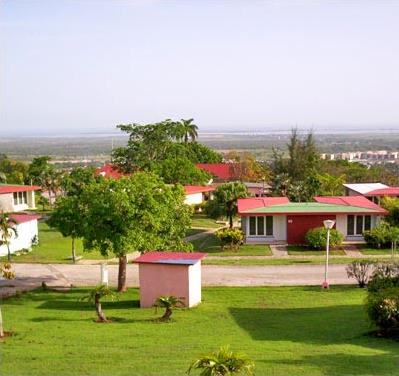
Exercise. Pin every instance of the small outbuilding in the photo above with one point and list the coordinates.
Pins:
(170, 273)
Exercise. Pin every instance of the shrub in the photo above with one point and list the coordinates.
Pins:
(383, 308)
(385, 275)
(382, 235)
(233, 237)
(361, 271)
(317, 238)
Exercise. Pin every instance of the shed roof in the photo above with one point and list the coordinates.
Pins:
(176, 258)
(7, 188)
(191, 189)
(390, 191)
(22, 218)
(364, 188)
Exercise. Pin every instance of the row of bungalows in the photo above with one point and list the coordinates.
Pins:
(17, 201)
(268, 220)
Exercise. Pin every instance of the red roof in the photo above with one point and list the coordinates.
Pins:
(176, 258)
(224, 171)
(390, 191)
(22, 218)
(109, 171)
(6, 188)
(260, 202)
(191, 189)
(358, 201)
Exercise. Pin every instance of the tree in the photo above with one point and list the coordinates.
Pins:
(37, 168)
(137, 213)
(43, 201)
(225, 200)
(190, 130)
(67, 218)
(392, 205)
(74, 182)
(246, 168)
(95, 296)
(169, 303)
(223, 362)
(7, 230)
(331, 185)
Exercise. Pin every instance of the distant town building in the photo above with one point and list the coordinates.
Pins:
(365, 157)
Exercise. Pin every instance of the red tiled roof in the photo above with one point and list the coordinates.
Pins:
(191, 189)
(390, 191)
(6, 188)
(22, 218)
(224, 171)
(358, 201)
(109, 171)
(260, 202)
(176, 258)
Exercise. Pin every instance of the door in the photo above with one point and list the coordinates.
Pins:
(299, 225)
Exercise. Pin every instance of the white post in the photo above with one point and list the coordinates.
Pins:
(104, 274)
(1, 325)
(328, 224)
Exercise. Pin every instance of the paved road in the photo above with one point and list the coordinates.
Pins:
(32, 275)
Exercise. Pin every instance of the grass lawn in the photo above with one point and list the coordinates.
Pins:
(285, 331)
(194, 231)
(210, 244)
(297, 250)
(199, 220)
(280, 261)
(366, 250)
(54, 248)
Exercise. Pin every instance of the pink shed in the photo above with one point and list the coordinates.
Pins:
(170, 273)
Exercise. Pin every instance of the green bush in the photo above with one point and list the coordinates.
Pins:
(232, 237)
(360, 270)
(379, 236)
(316, 238)
(383, 308)
(385, 276)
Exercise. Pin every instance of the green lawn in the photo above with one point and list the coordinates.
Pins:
(54, 248)
(210, 244)
(366, 250)
(297, 250)
(194, 231)
(202, 221)
(280, 261)
(286, 331)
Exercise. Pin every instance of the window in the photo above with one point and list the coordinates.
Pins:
(259, 226)
(351, 225)
(15, 195)
(367, 222)
(252, 225)
(356, 225)
(269, 226)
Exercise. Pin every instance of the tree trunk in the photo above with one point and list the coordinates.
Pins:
(122, 273)
(8, 252)
(167, 314)
(73, 250)
(100, 313)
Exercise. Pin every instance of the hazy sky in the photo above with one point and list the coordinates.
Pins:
(89, 65)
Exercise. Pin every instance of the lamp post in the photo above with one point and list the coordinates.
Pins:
(328, 224)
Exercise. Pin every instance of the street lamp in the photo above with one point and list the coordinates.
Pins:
(328, 224)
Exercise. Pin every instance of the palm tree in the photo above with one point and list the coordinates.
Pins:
(223, 362)
(190, 130)
(95, 297)
(169, 303)
(7, 229)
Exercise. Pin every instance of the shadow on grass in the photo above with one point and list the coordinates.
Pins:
(344, 364)
(320, 325)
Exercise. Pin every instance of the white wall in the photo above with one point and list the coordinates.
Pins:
(26, 231)
(194, 282)
(279, 231)
(7, 202)
(194, 199)
(341, 226)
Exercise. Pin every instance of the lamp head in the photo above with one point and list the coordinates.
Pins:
(329, 224)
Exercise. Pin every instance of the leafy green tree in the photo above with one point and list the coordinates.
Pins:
(7, 230)
(12, 172)
(392, 205)
(225, 200)
(138, 213)
(43, 201)
(38, 168)
(223, 362)
(74, 182)
(168, 303)
(331, 185)
(199, 153)
(67, 218)
(95, 296)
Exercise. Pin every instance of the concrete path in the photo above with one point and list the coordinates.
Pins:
(203, 234)
(279, 250)
(30, 276)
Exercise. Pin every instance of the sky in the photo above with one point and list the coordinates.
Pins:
(85, 66)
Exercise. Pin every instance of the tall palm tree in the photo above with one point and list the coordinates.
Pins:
(7, 230)
(95, 296)
(190, 130)
(169, 303)
(223, 362)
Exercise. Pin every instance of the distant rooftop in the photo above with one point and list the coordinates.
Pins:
(363, 188)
